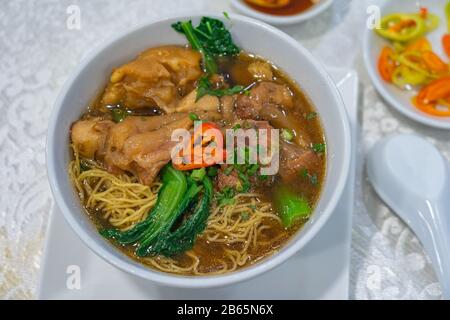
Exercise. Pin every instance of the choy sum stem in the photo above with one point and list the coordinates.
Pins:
(156, 235)
(169, 197)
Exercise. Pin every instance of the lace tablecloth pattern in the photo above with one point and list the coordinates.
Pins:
(39, 48)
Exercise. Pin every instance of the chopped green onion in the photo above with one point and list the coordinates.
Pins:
(314, 180)
(245, 216)
(193, 116)
(319, 147)
(311, 115)
(227, 201)
(245, 182)
(252, 168)
(304, 173)
(311, 177)
(118, 115)
(84, 166)
(287, 135)
(228, 170)
(225, 196)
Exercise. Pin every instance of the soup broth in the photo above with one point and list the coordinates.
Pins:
(242, 228)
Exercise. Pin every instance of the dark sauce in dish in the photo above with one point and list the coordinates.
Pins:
(294, 7)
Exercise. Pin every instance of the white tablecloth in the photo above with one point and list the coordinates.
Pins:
(37, 53)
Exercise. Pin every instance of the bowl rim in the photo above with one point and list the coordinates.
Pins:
(198, 281)
(282, 20)
(381, 87)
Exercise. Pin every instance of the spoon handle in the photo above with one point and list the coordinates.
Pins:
(443, 212)
(435, 237)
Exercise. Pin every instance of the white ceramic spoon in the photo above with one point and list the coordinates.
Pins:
(413, 178)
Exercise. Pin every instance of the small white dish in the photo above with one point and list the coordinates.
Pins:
(251, 35)
(413, 178)
(372, 45)
(275, 20)
(319, 271)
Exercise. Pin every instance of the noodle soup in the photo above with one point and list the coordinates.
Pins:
(204, 218)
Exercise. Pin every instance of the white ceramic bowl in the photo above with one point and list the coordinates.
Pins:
(282, 20)
(251, 35)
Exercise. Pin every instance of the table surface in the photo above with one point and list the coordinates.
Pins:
(39, 48)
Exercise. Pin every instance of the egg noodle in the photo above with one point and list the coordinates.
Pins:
(240, 228)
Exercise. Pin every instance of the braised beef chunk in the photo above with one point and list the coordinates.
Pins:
(272, 102)
(294, 159)
(262, 94)
(227, 178)
(246, 176)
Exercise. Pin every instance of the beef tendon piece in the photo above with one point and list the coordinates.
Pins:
(139, 145)
(89, 137)
(154, 78)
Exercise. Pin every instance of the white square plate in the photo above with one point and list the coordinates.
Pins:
(319, 271)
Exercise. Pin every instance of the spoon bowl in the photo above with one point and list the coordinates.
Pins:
(413, 178)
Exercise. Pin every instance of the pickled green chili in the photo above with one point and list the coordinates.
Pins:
(402, 27)
(405, 27)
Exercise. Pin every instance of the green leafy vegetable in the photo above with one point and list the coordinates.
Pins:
(204, 88)
(198, 174)
(184, 237)
(291, 207)
(179, 193)
(211, 38)
(212, 171)
(169, 198)
(149, 245)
